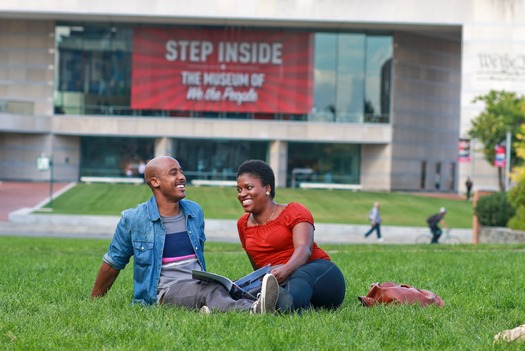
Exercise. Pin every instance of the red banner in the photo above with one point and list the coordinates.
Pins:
(500, 156)
(464, 150)
(232, 70)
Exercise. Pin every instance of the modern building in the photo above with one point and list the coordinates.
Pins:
(375, 94)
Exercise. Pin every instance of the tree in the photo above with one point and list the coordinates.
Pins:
(516, 195)
(518, 172)
(503, 111)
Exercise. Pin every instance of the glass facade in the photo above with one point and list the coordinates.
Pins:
(351, 76)
(219, 159)
(94, 70)
(200, 159)
(114, 156)
(216, 159)
(351, 84)
(378, 78)
(323, 163)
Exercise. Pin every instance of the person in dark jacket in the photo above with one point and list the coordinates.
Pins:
(433, 223)
(469, 184)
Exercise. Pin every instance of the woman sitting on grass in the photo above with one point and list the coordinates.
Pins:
(282, 235)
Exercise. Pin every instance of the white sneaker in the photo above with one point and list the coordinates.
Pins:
(205, 310)
(380, 240)
(267, 298)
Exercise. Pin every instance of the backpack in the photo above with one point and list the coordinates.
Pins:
(371, 216)
(434, 219)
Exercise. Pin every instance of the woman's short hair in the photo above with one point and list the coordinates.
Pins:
(261, 170)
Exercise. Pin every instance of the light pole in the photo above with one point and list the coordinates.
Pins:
(51, 166)
(507, 160)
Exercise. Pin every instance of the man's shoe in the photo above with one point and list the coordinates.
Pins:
(267, 298)
(380, 239)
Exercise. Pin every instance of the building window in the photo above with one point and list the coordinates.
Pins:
(378, 78)
(216, 159)
(423, 178)
(352, 78)
(329, 163)
(94, 69)
(115, 156)
(452, 178)
(437, 176)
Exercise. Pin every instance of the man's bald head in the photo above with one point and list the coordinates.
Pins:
(156, 166)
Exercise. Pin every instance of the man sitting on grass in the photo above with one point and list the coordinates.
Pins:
(166, 237)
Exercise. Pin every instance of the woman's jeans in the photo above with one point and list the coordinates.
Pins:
(318, 284)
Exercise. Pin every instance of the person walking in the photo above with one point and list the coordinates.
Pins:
(469, 184)
(165, 236)
(374, 217)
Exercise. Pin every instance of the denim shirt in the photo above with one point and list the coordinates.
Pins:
(140, 233)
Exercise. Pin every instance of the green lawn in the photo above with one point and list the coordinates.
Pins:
(327, 206)
(46, 282)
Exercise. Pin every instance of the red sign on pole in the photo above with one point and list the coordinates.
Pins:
(233, 70)
(499, 158)
(464, 150)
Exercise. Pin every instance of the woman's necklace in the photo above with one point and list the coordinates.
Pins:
(253, 218)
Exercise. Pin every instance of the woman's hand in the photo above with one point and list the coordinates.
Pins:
(281, 272)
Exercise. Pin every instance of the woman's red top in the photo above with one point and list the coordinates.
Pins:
(272, 243)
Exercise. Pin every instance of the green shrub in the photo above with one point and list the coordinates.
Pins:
(494, 210)
(516, 197)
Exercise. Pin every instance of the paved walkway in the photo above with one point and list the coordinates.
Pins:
(16, 195)
(18, 200)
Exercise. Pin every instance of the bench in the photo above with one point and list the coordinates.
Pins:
(128, 180)
(221, 183)
(330, 186)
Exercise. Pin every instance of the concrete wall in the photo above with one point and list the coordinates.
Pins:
(19, 153)
(376, 165)
(340, 12)
(497, 235)
(493, 59)
(26, 96)
(426, 105)
(221, 128)
(66, 157)
(27, 59)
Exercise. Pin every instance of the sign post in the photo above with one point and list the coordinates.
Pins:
(464, 150)
(45, 163)
(507, 160)
(499, 155)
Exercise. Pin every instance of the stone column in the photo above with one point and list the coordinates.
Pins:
(278, 160)
(163, 147)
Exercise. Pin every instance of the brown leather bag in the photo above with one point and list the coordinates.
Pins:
(389, 292)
